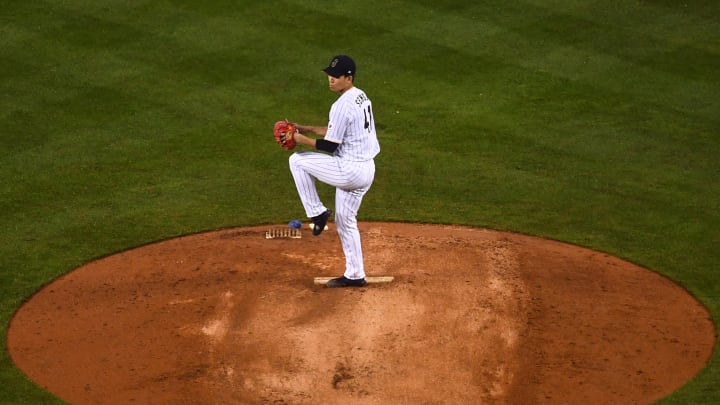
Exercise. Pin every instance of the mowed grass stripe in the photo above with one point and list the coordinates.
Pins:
(102, 116)
(577, 48)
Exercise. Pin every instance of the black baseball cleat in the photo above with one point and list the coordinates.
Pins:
(346, 282)
(320, 221)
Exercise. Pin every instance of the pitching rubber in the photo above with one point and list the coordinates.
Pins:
(370, 280)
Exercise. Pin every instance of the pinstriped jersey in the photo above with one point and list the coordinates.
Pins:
(351, 124)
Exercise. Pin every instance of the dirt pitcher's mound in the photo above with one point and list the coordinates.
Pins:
(473, 316)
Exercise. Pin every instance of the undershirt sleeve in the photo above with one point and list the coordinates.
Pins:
(325, 145)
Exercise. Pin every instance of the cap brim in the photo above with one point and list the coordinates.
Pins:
(330, 72)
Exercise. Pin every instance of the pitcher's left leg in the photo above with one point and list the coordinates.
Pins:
(347, 204)
(306, 168)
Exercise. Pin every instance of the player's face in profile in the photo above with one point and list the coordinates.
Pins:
(339, 84)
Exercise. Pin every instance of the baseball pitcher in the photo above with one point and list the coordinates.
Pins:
(350, 145)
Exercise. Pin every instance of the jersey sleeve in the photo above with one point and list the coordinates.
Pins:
(337, 123)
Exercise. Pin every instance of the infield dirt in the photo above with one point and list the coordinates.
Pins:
(473, 316)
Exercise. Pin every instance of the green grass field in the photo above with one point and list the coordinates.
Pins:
(591, 122)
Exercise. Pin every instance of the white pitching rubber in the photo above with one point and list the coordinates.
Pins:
(370, 280)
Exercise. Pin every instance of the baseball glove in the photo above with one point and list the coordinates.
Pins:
(284, 132)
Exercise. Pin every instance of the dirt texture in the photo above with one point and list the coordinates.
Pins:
(473, 316)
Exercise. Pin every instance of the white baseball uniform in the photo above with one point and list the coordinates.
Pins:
(350, 169)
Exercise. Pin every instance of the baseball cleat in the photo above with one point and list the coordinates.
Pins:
(346, 282)
(320, 221)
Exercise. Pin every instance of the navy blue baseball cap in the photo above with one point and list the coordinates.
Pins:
(341, 65)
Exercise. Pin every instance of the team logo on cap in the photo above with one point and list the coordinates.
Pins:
(334, 62)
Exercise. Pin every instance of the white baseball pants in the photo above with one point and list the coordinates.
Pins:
(351, 181)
